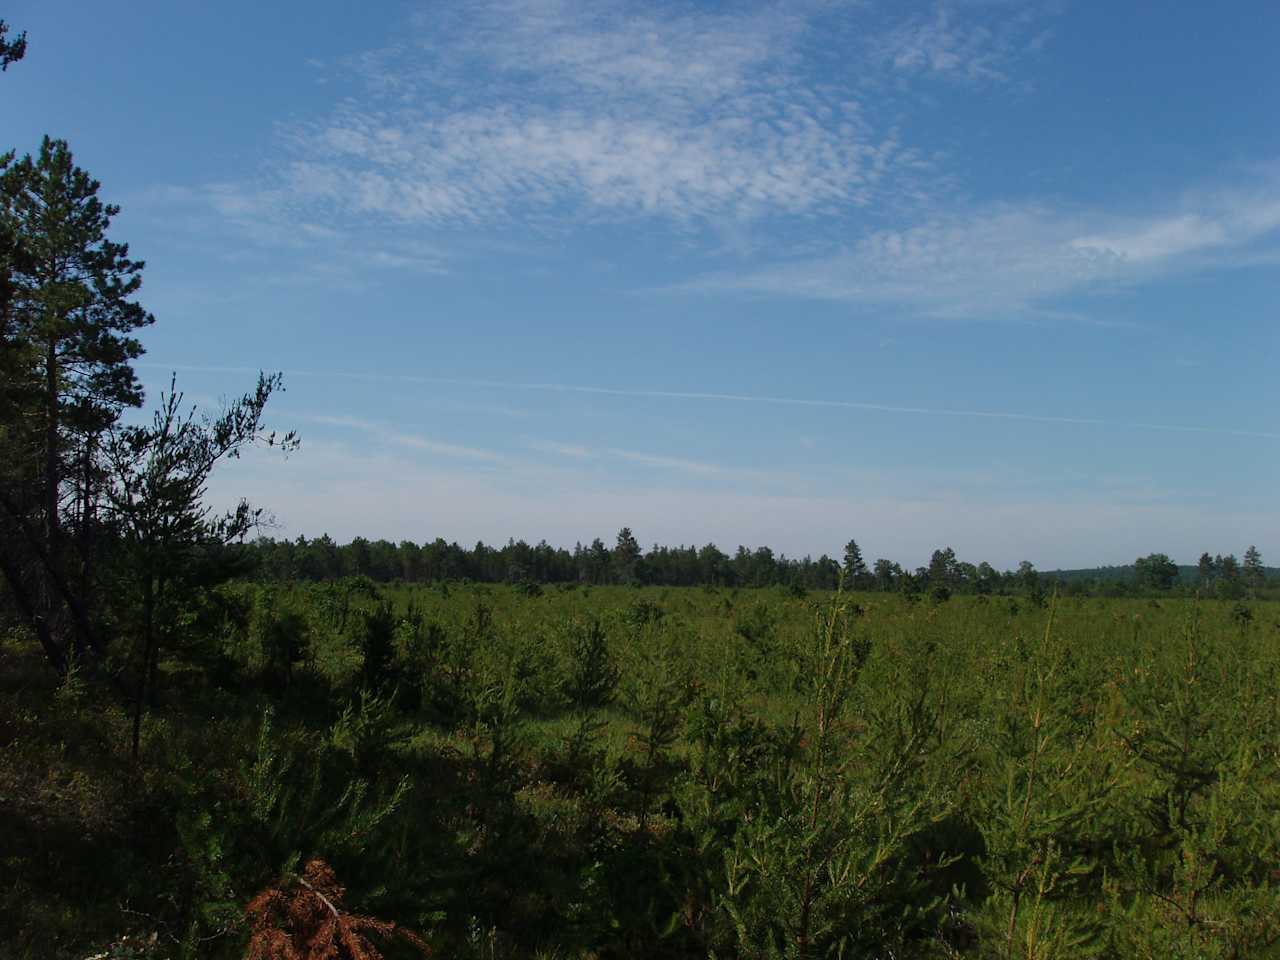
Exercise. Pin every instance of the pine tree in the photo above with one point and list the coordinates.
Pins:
(820, 862)
(1252, 571)
(1206, 568)
(154, 498)
(943, 567)
(1229, 567)
(11, 51)
(72, 299)
(66, 316)
(599, 559)
(886, 573)
(626, 557)
(855, 568)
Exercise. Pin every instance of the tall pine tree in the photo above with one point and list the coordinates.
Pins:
(68, 315)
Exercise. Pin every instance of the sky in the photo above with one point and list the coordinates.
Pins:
(999, 276)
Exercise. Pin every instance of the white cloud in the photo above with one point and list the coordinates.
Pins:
(628, 49)
(1008, 259)
(664, 462)
(533, 110)
(1158, 240)
(583, 452)
(572, 450)
(658, 461)
(390, 435)
(500, 162)
(550, 114)
(947, 43)
(936, 44)
(316, 247)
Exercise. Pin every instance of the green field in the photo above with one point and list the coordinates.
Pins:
(639, 772)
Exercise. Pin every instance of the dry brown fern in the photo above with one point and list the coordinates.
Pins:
(303, 919)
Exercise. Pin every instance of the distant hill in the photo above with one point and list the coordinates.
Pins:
(1186, 573)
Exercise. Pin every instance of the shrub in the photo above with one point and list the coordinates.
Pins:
(303, 918)
(593, 671)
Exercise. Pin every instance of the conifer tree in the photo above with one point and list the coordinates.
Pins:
(599, 559)
(626, 556)
(855, 568)
(72, 301)
(886, 574)
(171, 540)
(1206, 568)
(1252, 571)
(942, 567)
(819, 865)
(66, 317)
(11, 51)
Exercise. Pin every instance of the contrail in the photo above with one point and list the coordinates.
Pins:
(729, 397)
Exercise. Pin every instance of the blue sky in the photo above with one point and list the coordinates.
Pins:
(1000, 276)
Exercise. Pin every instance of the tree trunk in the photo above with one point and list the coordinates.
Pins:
(51, 469)
(87, 519)
(55, 582)
(28, 608)
(144, 668)
(153, 655)
(53, 552)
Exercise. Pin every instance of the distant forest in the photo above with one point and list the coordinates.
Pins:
(626, 562)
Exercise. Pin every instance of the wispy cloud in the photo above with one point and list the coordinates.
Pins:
(664, 462)
(579, 452)
(234, 222)
(546, 111)
(390, 435)
(1004, 260)
(571, 450)
(552, 114)
(946, 42)
(1164, 238)
(483, 166)
(694, 395)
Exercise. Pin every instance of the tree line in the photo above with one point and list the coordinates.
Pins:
(626, 563)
